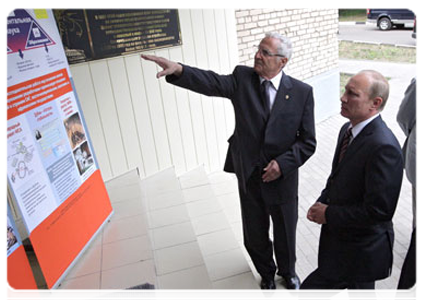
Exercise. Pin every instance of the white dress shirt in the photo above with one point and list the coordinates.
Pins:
(274, 87)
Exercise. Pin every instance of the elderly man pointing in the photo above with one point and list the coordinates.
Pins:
(274, 135)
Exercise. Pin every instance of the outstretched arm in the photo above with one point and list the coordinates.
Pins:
(169, 67)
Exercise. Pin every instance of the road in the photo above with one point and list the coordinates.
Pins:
(370, 33)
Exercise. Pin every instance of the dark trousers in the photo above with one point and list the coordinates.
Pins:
(317, 281)
(256, 223)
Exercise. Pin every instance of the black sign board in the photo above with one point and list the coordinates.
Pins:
(96, 34)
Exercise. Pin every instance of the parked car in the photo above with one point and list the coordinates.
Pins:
(416, 28)
(385, 19)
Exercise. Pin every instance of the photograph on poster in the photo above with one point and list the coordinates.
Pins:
(83, 158)
(75, 130)
(38, 135)
(11, 238)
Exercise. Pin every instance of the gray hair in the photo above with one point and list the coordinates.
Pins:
(379, 86)
(285, 45)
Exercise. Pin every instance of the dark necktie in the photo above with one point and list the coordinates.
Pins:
(345, 143)
(266, 103)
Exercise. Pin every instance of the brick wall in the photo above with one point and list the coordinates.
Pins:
(313, 33)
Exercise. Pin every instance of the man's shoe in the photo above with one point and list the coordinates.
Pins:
(268, 284)
(292, 282)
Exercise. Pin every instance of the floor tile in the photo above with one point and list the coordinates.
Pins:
(178, 258)
(173, 235)
(210, 223)
(241, 281)
(233, 214)
(193, 278)
(122, 193)
(198, 193)
(168, 216)
(125, 228)
(216, 242)
(128, 208)
(229, 200)
(128, 178)
(225, 187)
(226, 264)
(161, 182)
(203, 207)
(165, 200)
(129, 276)
(195, 177)
(89, 262)
(126, 251)
(83, 287)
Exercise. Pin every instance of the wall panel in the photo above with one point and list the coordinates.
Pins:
(125, 112)
(136, 120)
(82, 79)
(108, 116)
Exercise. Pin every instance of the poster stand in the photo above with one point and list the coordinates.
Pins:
(52, 170)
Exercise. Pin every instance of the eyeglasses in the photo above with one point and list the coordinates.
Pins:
(266, 52)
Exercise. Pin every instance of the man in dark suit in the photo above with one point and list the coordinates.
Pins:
(274, 135)
(359, 200)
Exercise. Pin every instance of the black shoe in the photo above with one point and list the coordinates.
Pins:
(268, 284)
(292, 282)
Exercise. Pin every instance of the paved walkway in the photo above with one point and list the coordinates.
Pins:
(314, 173)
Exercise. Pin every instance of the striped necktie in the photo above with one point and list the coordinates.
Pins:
(345, 143)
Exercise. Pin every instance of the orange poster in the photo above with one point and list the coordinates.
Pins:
(51, 166)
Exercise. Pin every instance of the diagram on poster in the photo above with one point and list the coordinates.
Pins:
(24, 33)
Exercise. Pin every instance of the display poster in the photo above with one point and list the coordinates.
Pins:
(19, 273)
(89, 34)
(51, 166)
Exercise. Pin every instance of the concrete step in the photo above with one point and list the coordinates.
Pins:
(224, 257)
(178, 259)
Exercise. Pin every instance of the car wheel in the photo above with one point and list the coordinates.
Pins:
(385, 24)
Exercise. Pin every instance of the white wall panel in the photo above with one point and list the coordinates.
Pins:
(85, 90)
(185, 118)
(202, 53)
(125, 112)
(157, 114)
(108, 116)
(145, 135)
(196, 105)
(172, 120)
(218, 103)
(136, 120)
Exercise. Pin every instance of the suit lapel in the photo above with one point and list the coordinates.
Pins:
(356, 144)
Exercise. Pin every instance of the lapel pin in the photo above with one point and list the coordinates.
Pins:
(287, 97)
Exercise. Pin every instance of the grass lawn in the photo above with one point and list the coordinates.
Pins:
(344, 79)
(352, 15)
(350, 50)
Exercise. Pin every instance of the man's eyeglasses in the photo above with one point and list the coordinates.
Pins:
(266, 52)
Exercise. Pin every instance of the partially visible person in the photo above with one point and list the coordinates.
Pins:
(356, 207)
(409, 283)
(409, 120)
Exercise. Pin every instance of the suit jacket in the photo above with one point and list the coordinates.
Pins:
(406, 118)
(288, 135)
(362, 192)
